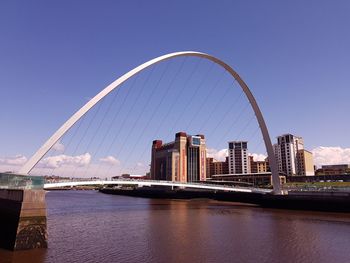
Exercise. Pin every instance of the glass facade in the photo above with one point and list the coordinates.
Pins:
(15, 181)
(195, 141)
(192, 164)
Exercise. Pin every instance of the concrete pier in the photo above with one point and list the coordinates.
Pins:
(22, 219)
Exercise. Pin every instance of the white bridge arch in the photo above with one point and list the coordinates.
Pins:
(83, 110)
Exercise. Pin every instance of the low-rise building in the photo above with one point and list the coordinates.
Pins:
(216, 167)
(335, 169)
(258, 166)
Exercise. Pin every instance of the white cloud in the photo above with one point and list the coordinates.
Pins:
(14, 160)
(322, 155)
(110, 160)
(220, 155)
(64, 160)
(258, 156)
(140, 164)
(331, 155)
(59, 147)
(140, 168)
(217, 155)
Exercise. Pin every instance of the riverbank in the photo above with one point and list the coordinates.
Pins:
(78, 188)
(312, 201)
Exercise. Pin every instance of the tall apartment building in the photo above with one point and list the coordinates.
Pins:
(291, 156)
(183, 160)
(238, 157)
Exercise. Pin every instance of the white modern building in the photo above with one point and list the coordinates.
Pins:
(291, 156)
(238, 157)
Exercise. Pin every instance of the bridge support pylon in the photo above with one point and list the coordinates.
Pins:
(23, 219)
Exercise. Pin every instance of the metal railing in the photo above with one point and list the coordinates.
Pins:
(314, 188)
(155, 182)
(16, 181)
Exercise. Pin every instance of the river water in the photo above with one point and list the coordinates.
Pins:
(88, 226)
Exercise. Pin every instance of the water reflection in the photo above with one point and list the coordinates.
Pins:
(29, 256)
(87, 226)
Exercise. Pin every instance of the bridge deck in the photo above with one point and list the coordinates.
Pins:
(141, 183)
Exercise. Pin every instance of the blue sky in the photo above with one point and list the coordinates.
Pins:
(55, 55)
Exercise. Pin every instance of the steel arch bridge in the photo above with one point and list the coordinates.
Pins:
(114, 85)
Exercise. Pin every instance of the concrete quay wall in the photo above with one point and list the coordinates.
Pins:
(23, 219)
(339, 202)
